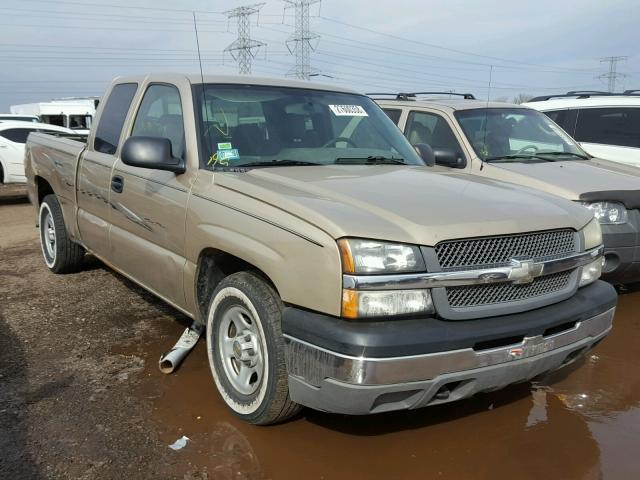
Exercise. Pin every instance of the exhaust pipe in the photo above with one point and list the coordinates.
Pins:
(172, 359)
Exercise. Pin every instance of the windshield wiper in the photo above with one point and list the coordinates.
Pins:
(277, 163)
(370, 160)
(515, 156)
(583, 157)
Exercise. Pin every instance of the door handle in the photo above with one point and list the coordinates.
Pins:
(117, 184)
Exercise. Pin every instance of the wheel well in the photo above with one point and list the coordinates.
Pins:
(43, 188)
(213, 266)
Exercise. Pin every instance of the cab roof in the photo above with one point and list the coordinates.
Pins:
(197, 79)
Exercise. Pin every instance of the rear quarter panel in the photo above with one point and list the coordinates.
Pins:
(55, 160)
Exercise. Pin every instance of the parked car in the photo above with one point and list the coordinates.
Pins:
(13, 135)
(331, 267)
(19, 118)
(606, 125)
(517, 144)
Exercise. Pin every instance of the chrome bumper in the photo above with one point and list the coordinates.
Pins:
(313, 365)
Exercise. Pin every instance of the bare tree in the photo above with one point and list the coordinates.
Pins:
(522, 98)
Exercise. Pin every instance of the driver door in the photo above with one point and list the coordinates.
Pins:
(147, 236)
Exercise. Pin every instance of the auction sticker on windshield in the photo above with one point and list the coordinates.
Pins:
(348, 111)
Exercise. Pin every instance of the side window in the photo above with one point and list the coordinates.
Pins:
(558, 116)
(393, 114)
(17, 135)
(160, 115)
(431, 129)
(112, 118)
(610, 126)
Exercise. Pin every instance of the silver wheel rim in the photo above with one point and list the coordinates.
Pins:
(47, 235)
(240, 347)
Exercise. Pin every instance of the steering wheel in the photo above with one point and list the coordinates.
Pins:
(528, 147)
(333, 141)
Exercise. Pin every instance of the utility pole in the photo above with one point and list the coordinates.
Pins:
(301, 38)
(243, 48)
(613, 71)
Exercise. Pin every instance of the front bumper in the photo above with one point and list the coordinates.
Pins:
(622, 250)
(463, 359)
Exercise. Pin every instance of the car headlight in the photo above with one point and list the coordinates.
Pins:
(608, 213)
(371, 256)
(592, 235)
(359, 304)
(591, 272)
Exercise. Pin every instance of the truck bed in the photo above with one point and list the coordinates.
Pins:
(55, 158)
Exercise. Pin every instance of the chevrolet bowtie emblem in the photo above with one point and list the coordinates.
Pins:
(524, 271)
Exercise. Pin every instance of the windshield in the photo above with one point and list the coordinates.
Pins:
(256, 126)
(516, 133)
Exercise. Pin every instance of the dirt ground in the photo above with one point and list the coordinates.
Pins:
(81, 396)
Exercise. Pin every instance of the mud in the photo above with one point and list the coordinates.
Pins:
(81, 396)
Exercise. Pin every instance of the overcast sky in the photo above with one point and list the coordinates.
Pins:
(51, 49)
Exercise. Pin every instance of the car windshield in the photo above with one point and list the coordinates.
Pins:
(516, 134)
(261, 126)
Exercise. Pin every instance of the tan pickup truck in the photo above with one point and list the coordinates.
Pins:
(331, 267)
(517, 144)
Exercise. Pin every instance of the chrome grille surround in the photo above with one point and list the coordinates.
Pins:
(500, 250)
(496, 293)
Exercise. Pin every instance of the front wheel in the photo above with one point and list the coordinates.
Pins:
(61, 254)
(246, 349)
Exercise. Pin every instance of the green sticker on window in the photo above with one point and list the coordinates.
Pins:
(225, 146)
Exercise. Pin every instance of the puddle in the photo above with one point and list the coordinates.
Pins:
(581, 423)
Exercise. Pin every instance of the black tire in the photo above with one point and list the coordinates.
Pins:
(249, 293)
(60, 253)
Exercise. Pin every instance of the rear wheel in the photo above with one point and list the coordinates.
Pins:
(60, 253)
(246, 349)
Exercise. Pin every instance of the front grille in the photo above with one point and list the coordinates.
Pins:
(491, 294)
(494, 251)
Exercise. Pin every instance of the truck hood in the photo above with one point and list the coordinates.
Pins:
(409, 204)
(570, 179)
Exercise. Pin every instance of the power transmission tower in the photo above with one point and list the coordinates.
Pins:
(301, 38)
(613, 71)
(243, 48)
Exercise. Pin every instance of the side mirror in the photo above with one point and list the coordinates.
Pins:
(151, 152)
(426, 152)
(449, 158)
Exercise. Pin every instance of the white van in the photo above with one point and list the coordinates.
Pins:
(74, 113)
(606, 125)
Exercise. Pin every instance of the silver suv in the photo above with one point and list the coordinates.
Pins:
(516, 144)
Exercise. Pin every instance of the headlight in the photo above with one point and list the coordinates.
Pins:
(608, 213)
(592, 235)
(372, 256)
(358, 304)
(591, 272)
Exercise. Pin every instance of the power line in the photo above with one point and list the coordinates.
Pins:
(243, 48)
(440, 47)
(613, 73)
(301, 38)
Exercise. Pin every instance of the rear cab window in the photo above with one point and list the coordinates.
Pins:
(113, 117)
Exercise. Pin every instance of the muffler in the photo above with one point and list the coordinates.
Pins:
(172, 359)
